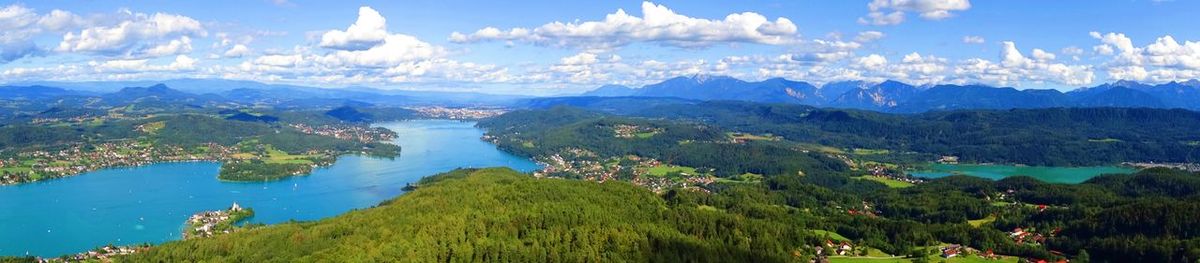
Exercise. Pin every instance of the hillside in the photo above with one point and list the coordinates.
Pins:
(500, 216)
(899, 97)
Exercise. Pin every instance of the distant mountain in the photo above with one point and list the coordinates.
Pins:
(158, 95)
(37, 92)
(613, 105)
(349, 114)
(895, 96)
(831, 91)
(708, 87)
(954, 97)
(883, 96)
(1119, 97)
(610, 91)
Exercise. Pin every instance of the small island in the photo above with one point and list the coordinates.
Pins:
(210, 223)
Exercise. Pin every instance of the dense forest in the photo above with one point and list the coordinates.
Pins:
(1118, 218)
(1052, 137)
(500, 215)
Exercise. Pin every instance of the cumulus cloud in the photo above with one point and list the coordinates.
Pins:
(181, 63)
(891, 12)
(658, 24)
(365, 53)
(237, 51)
(370, 30)
(868, 36)
(19, 25)
(973, 40)
(141, 35)
(1015, 68)
(1164, 60)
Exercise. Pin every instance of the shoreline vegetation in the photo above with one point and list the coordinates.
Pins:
(247, 151)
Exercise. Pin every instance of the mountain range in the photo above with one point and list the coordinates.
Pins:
(895, 96)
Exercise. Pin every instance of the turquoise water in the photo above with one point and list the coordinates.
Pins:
(150, 203)
(1069, 175)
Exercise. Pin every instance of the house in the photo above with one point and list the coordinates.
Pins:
(951, 251)
(844, 248)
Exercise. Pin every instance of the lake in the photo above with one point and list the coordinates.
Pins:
(1070, 175)
(150, 203)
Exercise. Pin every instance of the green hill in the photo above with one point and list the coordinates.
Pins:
(498, 215)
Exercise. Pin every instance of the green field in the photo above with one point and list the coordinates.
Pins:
(832, 235)
(663, 170)
(886, 181)
(861, 151)
(277, 156)
(644, 135)
(752, 137)
(980, 222)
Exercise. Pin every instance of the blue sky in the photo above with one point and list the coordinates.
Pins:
(556, 47)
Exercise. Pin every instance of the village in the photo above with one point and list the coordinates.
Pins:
(102, 254)
(348, 132)
(210, 223)
(458, 113)
(645, 172)
(82, 157)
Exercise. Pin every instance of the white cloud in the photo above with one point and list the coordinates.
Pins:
(19, 25)
(658, 24)
(181, 63)
(1042, 55)
(891, 12)
(973, 40)
(1164, 60)
(141, 35)
(872, 62)
(368, 31)
(183, 45)
(1015, 69)
(868, 36)
(237, 51)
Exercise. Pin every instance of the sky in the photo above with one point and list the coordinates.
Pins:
(570, 46)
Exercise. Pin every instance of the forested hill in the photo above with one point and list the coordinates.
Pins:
(502, 216)
(1055, 136)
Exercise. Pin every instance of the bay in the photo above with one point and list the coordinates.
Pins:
(149, 204)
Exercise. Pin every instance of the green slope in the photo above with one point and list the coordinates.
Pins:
(499, 215)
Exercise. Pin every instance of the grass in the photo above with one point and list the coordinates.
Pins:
(752, 137)
(153, 127)
(15, 170)
(277, 156)
(1105, 140)
(644, 135)
(527, 144)
(890, 183)
(861, 151)
(832, 235)
(663, 170)
(981, 222)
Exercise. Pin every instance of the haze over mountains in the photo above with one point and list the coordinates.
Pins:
(887, 96)
(894, 96)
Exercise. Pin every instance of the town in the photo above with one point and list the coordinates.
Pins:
(210, 223)
(458, 113)
(348, 132)
(79, 158)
